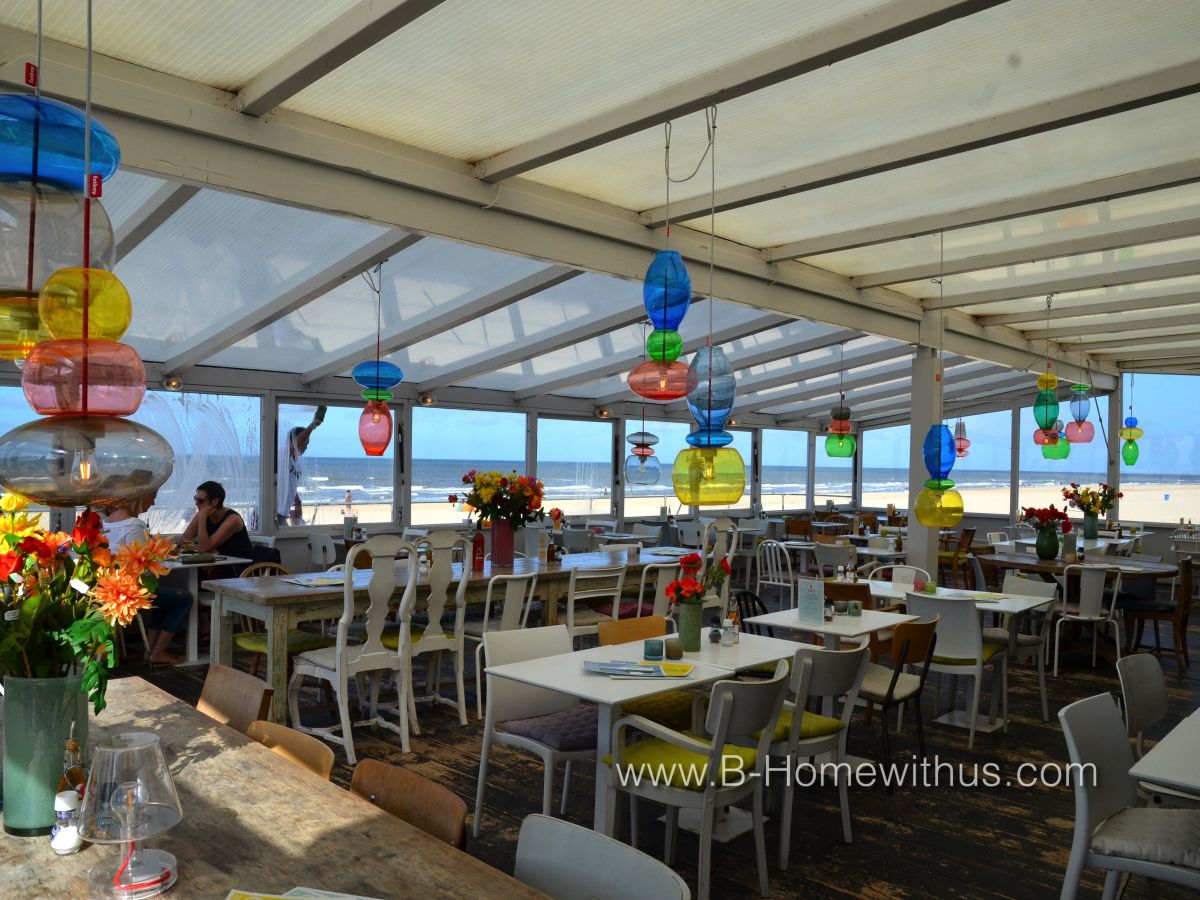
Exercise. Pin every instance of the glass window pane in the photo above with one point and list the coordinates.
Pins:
(833, 478)
(784, 469)
(983, 476)
(645, 500)
(574, 462)
(447, 443)
(334, 477)
(885, 466)
(215, 438)
(1042, 480)
(1161, 485)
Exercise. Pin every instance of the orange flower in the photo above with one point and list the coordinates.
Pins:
(120, 597)
(143, 557)
(102, 556)
(58, 540)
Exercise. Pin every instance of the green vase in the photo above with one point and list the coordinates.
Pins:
(38, 715)
(689, 626)
(1091, 526)
(1047, 543)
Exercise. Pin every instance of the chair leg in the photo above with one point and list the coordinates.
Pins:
(1157, 639)
(670, 834)
(566, 793)
(293, 698)
(760, 842)
(1111, 882)
(548, 789)
(975, 706)
(482, 781)
(920, 726)
(462, 692)
(844, 800)
(887, 745)
(1041, 670)
(342, 689)
(479, 680)
(704, 876)
(633, 821)
(785, 822)
(1057, 640)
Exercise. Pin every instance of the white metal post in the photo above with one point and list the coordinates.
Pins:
(922, 542)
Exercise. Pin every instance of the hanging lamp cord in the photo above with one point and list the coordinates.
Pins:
(87, 210)
(375, 283)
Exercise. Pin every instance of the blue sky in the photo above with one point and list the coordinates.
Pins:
(1167, 407)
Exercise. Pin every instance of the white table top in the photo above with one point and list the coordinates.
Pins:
(216, 561)
(1173, 761)
(985, 601)
(840, 626)
(622, 536)
(564, 672)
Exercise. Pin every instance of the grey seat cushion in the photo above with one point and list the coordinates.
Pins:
(1169, 836)
(1136, 604)
(1000, 636)
(877, 679)
(567, 730)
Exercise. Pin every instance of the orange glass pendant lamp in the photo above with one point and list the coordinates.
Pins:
(657, 380)
(64, 294)
(54, 384)
(375, 428)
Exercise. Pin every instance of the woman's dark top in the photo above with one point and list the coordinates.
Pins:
(237, 544)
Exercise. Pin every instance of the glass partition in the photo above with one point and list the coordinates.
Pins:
(446, 444)
(322, 473)
(574, 462)
(784, 469)
(1164, 484)
(984, 475)
(833, 478)
(884, 466)
(644, 501)
(1041, 479)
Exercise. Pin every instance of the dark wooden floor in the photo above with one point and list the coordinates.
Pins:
(948, 841)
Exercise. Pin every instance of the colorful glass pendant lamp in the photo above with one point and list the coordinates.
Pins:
(710, 472)
(641, 465)
(667, 294)
(1130, 434)
(84, 453)
(839, 442)
(377, 377)
(938, 505)
(961, 443)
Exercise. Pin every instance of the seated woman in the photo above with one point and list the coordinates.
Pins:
(215, 528)
(122, 526)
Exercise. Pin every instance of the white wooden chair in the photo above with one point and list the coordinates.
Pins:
(1090, 606)
(516, 712)
(662, 574)
(344, 661)
(1111, 831)
(830, 556)
(721, 541)
(648, 535)
(570, 862)
(603, 585)
(1144, 694)
(519, 591)
(691, 534)
(775, 570)
(902, 575)
(741, 715)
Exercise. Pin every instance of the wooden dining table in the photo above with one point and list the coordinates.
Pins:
(281, 604)
(1030, 562)
(254, 821)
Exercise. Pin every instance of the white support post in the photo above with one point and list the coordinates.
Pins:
(617, 482)
(755, 469)
(856, 480)
(1116, 415)
(1014, 474)
(922, 542)
(811, 487)
(402, 474)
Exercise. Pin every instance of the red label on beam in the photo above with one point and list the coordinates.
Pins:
(95, 185)
(31, 74)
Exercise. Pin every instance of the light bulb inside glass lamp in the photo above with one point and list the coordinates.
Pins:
(709, 465)
(84, 474)
(375, 417)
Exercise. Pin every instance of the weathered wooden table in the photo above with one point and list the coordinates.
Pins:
(255, 821)
(282, 605)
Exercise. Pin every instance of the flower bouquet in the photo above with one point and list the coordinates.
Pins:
(65, 594)
(687, 595)
(556, 518)
(1092, 502)
(508, 502)
(1048, 521)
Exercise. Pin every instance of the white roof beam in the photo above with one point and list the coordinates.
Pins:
(167, 200)
(1155, 365)
(848, 38)
(614, 365)
(1164, 353)
(1100, 190)
(1095, 103)
(1133, 304)
(1113, 240)
(443, 318)
(255, 319)
(348, 35)
(1123, 325)
(1139, 340)
(565, 336)
(998, 386)
(1138, 270)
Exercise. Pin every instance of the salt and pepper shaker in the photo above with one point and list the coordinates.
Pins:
(727, 633)
(64, 834)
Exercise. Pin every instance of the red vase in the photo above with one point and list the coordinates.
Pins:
(502, 544)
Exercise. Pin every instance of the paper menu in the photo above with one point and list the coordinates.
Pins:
(811, 601)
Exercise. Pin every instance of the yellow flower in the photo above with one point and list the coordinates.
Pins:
(19, 524)
(12, 503)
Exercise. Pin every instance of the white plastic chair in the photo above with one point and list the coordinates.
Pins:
(831, 556)
(1090, 607)
(1144, 693)
(576, 540)
(262, 540)
(345, 661)
(599, 584)
(902, 575)
(775, 570)
(663, 574)
(648, 535)
(997, 537)
(570, 862)
(961, 649)
(510, 701)
(741, 713)
(321, 552)
(1032, 645)
(1111, 832)
(691, 534)
(519, 591)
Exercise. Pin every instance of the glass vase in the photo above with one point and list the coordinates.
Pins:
(502, 543)
(1091, 526)
(1047, 543)
(690, 615)
(38, 715)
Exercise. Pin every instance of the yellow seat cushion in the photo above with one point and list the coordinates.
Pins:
(989, 650)
(673, 709)
(297, 641)
(680, 768)
(391, 639)
(811, 726)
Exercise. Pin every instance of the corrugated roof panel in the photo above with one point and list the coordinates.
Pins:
(471, 79)
(125, 192)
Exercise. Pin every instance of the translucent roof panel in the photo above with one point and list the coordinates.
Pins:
(1140, 139)
(1064, 267)
(1118, 214)
(746, 378)
(528, 73)
(125, 193)
(222, 43)
(426, 279)
(1006, 58)
(1164, 287)
(220, 257)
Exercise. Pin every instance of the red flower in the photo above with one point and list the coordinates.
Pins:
(41, 549)
(9, 563)
(725, 566)
(684, 589)
(503, 481)
(691, 563)
(454, 498)
(87, 529)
